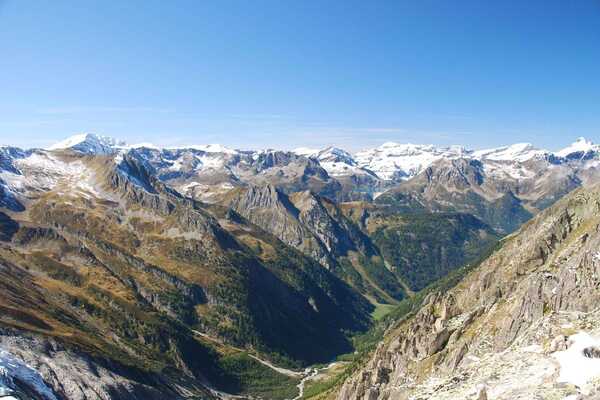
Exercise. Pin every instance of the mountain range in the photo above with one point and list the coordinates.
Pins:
(135, 271)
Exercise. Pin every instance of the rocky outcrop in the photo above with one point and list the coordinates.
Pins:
(68, 374)
(309, 230)
(549, 267)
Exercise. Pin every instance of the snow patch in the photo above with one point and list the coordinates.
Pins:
(575, 367)
(517, 152)
(210, 161)
(503, 169)
(42, 171)
(336, 161)
(210, 148)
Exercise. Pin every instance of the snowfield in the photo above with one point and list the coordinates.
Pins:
(575, 367)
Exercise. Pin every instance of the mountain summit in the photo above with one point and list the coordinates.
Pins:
(578, 149)
(89, 143)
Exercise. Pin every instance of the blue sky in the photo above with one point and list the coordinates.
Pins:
(282, 74)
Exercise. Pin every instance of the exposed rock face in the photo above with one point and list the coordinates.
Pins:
(316, 227)
(8, 200)
(303, 220)
(273, 211)
(76, 376)
(522, 295)
(464, 185)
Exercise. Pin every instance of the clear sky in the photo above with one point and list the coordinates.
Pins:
(282, 74)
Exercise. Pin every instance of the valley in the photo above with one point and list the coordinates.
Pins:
(207, 272)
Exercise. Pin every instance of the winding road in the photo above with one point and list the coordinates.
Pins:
(306, 375)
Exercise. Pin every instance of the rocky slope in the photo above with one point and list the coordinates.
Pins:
(110, 268)
(523, 324)
(357, 181)
(484, 189)
(318, 228)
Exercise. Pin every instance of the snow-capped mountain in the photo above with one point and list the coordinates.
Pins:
(203, 171)
(579, 149)
(151, 226)
(89, 143)
(388, 162)
(337, 162)
(519, 152)
(393, 161)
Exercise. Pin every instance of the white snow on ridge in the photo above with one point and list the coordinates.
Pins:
(210, 161)
(11, 367)
(69, 142)
(335, 154)
(89, 143)
(93, 144)
(209, 148)
(143, 145)
(581, 145)
(306, 151)
(501, 169)
(336, 161)
(407, 160)
(517, 152)
(341, 169)
(388, 161)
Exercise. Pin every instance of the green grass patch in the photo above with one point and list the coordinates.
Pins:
(381, 310)
(314, 388)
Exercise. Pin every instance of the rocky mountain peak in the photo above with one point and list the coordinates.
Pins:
(89, 143)
(457, 173)
(335, 154)
(581, 148)
(7, 157)
(265, 196)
